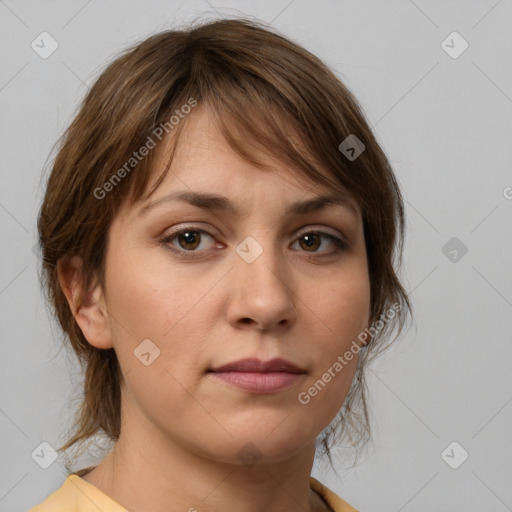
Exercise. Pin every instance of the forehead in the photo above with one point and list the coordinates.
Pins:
(203, 161)
(201, 137)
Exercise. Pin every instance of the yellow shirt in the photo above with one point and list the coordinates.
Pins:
(77, 495)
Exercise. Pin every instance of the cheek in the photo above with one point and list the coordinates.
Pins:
(148, 296)
(339, 314)
(341, 308)
(157, 318)
(326, 389)
(170, 306)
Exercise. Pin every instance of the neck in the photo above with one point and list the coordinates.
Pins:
(153, 470)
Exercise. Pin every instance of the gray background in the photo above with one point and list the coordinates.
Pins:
(446, 125)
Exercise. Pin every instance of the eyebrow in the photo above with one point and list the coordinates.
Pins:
(215, 202)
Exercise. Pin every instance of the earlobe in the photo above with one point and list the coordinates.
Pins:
(91, 314)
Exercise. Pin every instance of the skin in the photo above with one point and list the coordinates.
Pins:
(181, 427)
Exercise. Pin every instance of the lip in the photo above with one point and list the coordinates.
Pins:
(256, 376)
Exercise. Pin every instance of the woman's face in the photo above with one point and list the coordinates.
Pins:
(194, 284)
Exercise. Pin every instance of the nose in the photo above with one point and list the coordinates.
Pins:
(261, 295)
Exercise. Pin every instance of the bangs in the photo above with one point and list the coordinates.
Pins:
(252, 122)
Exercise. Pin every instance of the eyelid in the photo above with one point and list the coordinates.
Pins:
(305, 229)
(312, 228)
(191, 227)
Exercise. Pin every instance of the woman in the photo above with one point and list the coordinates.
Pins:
(219, 234)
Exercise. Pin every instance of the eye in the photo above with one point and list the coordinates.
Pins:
(311, 241)
(189, 242)
(186, 241)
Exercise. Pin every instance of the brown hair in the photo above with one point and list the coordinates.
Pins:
(260, 86)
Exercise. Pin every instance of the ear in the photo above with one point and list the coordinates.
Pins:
(91, 316)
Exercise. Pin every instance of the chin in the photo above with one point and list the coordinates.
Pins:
(267, 444)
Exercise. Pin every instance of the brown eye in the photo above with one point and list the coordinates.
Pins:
(311, 241)
(189, 240)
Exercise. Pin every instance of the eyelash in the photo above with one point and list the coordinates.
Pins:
(340, 245)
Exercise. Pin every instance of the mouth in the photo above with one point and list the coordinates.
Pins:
(259, 377)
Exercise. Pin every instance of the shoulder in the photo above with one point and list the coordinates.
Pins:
(58, 501)
(77, 495)
(332, 499)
